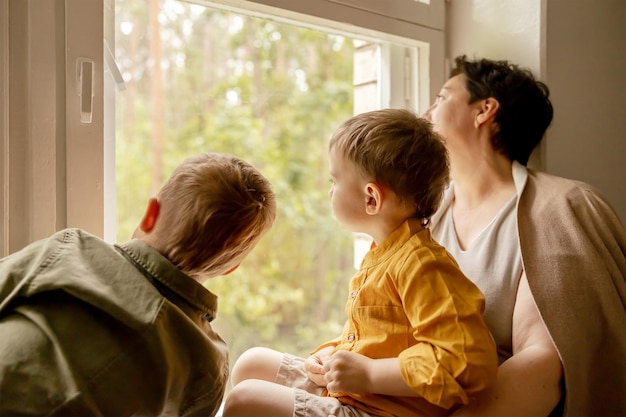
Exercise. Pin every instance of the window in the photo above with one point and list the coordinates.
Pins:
(269, 86)
(69, 171)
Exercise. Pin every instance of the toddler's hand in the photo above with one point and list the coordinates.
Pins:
(314, 365)
(314, 368)
(348, 372)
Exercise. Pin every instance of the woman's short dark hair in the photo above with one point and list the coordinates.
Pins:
(525, 110)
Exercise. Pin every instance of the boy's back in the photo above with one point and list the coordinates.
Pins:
(95, 335)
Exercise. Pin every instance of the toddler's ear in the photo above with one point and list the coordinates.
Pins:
(150, 217)
(373, 198)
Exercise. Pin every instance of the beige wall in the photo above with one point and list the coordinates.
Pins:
(586, 70)
(579, 48)
(498, 29)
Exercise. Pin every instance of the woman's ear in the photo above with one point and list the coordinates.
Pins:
(150, 217)
(373, 198)
(487, 111)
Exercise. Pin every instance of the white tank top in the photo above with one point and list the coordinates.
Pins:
(492, 260)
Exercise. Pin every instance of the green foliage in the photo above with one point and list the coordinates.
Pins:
(271, 94)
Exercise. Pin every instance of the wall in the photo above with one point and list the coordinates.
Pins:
(586, 71)
(577, 47)
(498, 29)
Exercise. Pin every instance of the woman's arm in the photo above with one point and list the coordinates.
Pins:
(528, 383)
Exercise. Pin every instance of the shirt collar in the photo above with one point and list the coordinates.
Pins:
(155, 266)
(393, 242)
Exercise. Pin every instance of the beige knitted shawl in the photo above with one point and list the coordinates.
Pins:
(574, 254)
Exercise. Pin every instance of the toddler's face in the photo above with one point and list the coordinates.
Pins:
(347, 192)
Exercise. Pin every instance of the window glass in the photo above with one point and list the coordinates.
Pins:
(202, 79)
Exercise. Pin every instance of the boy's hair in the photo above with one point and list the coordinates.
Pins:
(525, 109)
(214, 210)
(399, 150)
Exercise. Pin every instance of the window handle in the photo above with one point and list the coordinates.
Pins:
(85, 71)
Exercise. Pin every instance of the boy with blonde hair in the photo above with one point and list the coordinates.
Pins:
(89, 328)
(415, 342)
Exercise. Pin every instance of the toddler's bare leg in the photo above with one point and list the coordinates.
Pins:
(256, 363)
(254, 397)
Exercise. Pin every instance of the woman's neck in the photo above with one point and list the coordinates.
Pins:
(485, 179)
(480, 192)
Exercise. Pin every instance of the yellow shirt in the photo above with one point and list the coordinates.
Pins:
(410, 300)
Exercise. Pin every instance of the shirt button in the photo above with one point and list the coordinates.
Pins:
(354, 293)
(351, 337)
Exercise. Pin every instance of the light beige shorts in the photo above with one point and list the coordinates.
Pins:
(309, 401)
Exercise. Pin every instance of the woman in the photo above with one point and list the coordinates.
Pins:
(547, 252)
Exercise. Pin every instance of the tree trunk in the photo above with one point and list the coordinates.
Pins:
(156, 94)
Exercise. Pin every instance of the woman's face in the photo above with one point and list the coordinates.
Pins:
(451, 115)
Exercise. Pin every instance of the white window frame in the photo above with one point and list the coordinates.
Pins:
(409, 22)
(51, 170)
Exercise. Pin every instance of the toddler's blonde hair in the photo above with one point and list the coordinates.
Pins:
(401, 151)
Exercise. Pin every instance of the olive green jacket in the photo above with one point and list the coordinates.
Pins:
(87, 328)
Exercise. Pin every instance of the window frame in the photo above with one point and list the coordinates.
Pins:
(47, 182)
(408, 22)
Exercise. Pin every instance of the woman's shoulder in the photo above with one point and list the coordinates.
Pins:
(543, 189)
(550, 198)
(558, 184)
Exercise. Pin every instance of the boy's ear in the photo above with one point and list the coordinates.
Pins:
(373, 198)
(488, 110)
(231, 270)
(150, 217)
